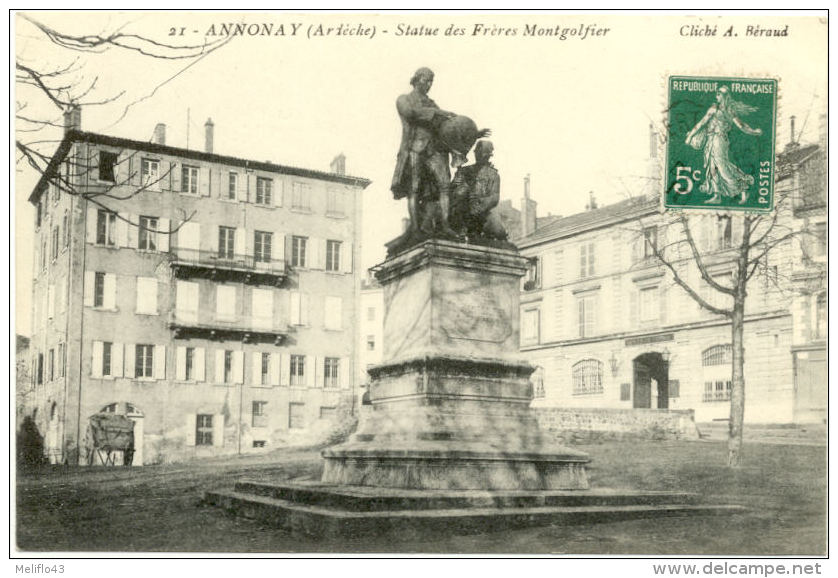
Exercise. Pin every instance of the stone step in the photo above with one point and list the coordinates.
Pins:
(371, 499)
(321, 521)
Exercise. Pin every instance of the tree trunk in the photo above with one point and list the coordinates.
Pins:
(737, 389)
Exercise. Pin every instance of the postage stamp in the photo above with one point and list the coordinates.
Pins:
(720, 144)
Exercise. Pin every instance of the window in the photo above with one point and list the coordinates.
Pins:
(333, 255)
(334, 202)
(148, 234)
(55, 243)
(587, 377)
(716, 355)
(299, 308)
(649, 304)
(228, 366)
(370, 313)
(586, 315)
(258, 412)
(298, 370)
(203, 430)
(66, 224)
(718, 390)
(39, 212)
(40, 368)
(51, 364)
(44, 255)
(99, 289)
(264, 191)
(724, 237)
(150, 173)
(300, 198)
(107, 357)
(262, 246)
(105, 228)
(226, 242)
(107, 166)
(820, 317)
(265, 366)
(186, 301)
(296, 417)
(650, 242)
(258, 443)
(331, 372)
(232, 186)
(144, 361)
(530, 326)
(298, 251)
(532, 280)
(62, 359)
(674, 388)
(370, 342)
(189, 364)
(328, 412)
(625, 392)
(189, 180)
(818, 242)
(586, 260)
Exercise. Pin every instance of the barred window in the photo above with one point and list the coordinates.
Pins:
(716, 355)
(587, 377)
(718, 390)
(331, 371)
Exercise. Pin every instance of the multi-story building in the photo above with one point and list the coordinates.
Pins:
(210, 299)
(607, 328)
(371, 327)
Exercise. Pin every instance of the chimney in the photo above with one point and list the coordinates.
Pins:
(591, 202)
(208, 135)
(338, 164)
(792, 130)
(159, 134)
(72, 118)
(528, 210)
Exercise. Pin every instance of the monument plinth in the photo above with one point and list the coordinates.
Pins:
(450, 404)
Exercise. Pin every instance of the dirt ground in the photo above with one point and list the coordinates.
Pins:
(158, 508)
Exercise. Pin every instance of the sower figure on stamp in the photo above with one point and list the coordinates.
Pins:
(475, 193)
(422, 174)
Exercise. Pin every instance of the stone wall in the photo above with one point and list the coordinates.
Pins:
(583, 424)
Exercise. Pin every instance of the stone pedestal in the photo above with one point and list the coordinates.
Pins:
(451, 401)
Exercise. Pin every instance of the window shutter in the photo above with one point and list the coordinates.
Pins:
(133, 231)
(316, 255)
(117, 367)
(284, 368)
(92, 217)
(345, 372)
(134, 166)
(296, 317)
(62, 295)
(174, 176)
(191, 426)
(250, 242)
(130, 359)
(218, 430)
(96, 360)
(238, 367)
(219, 366)
(241, 186)
(311, 370)
(93, 158)
(256, 366)
(180, 363)
(304, 309)
(633, 313)
(159, 362)
(51, 301)
(163, 235)
(109, 301)
(278, 252)
(278, 192)
(346, 255)
(274, 368)
(204, 181)
(319, 372)
(637, 248)
(122, 229)
(89, 284)
(200, 364)
(558, 315)
(240, 242)
(662, 297)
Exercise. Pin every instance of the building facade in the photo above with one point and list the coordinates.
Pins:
(371, 346)
(607, 327)
(210, 299)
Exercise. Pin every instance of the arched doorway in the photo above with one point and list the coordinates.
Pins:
(133, 413)
(651, 381)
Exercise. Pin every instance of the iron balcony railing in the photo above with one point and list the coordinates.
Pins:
(261, 264)
(196, 323)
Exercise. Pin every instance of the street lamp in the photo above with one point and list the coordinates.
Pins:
(666, 355)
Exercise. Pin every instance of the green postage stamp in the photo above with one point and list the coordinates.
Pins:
(720, 145)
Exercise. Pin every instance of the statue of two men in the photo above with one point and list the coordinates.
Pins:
(438, 207)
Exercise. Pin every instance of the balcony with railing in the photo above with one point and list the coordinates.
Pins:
(216, 265)
(211, 325)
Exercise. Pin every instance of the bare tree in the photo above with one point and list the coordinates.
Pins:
(47, 95)
(755, 238)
